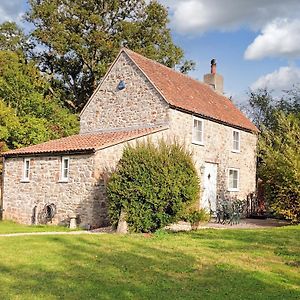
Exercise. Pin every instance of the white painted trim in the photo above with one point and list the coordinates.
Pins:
(62, 177)
(238, 180)
(201, 143)
(24, 178)
(232, 141)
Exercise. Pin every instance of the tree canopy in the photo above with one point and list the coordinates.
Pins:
(30, 112)
(279, 158)
(262, 106)
(81, 38)
(280, 165)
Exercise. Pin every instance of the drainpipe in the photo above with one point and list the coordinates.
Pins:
(2, 188)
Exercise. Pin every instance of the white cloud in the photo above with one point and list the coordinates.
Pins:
(11, 10)
(198, 16)
(277, 21)
(279, 38)
(282, 79)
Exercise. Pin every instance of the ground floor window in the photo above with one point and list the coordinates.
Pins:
(26, 169)
(233, 179)
(65, 168)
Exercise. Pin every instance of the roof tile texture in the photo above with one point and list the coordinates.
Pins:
(83, 142)
(189, 94)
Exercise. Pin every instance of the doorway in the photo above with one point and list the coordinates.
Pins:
(209, 196)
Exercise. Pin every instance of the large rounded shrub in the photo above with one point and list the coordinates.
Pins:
(153, 185)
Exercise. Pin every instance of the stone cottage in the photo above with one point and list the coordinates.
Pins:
(137, 99)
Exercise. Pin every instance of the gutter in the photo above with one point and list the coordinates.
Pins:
(58, 153)
(212, 119)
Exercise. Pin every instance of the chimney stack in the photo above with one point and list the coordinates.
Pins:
(214, 80)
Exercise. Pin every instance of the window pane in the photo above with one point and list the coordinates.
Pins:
(65, 168)
(236, 140)
(197, 131)
(26, 169)
(66, 163)
(233, 179)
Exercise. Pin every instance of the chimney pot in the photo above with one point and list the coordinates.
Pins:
(214, 80)
(213, 68)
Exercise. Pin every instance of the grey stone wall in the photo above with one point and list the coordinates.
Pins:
(139, 104)
(84, 194)
(80, 195)
(217, 149)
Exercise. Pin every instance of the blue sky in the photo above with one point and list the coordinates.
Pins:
(256, 43)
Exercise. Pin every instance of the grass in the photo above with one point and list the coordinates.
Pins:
(207, 264)
(11, 227)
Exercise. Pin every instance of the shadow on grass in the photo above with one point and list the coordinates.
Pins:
(114, 267)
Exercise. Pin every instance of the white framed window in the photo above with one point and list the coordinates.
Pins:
(233, 179)
(198, 131)
(236, 138)
(26, 170)
(65, 168)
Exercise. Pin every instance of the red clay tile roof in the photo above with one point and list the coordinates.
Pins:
(83, 142)
(189, 94)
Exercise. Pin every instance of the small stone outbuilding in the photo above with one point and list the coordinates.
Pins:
(137, 99)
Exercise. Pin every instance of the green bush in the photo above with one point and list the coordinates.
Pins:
(153, 184)
(280, 166)
(196, 216)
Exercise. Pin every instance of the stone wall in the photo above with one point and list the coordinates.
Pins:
(106, 159)
(84, 194)
(80, 195)
(217, 149)
(139, 104)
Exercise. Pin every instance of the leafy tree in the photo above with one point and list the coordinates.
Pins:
(280, 165)
(9, 123)
(262, 106)
(81, 38)
(30, 112)
(154, 185)
(13, 38)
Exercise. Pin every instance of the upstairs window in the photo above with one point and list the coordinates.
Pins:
(197, 131)
(233, 180)
(26, 169)
(65, 168)
(235, 141)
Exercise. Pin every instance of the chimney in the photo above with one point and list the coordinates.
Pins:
(214, 80)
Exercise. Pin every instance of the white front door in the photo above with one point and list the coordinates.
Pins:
(209, 196)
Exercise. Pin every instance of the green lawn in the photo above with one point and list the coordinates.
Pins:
(11, 227)
(207, 264)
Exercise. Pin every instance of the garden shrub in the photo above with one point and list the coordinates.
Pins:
(153, 185)
(196, 215)
(280, 166)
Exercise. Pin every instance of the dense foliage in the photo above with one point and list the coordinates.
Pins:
(30, 112)
(263, 107)
(278, 119)
(280, 165)
(81, 39)
(153, 185)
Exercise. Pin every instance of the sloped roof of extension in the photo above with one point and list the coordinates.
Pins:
(190, 95)
(83, 143)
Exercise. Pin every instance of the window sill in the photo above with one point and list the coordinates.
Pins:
(233, 190)
(198, 143)
(63, 181)
(235, 151)
(24, 180)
